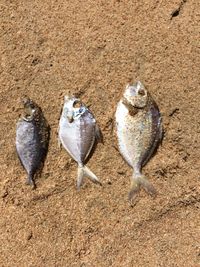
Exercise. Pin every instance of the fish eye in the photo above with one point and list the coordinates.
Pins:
(77, 104)
(141, 92)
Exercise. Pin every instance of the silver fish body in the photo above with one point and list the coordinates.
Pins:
(32, 139)
(139, 131)
(78, 132)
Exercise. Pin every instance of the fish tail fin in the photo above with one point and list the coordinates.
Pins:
(85, 171)
(80, 177)
(30, 180)
(140, 181)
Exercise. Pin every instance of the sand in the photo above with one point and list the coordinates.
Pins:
(93, 49)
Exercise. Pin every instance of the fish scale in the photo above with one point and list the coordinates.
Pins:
(32, 138)
(78, 133)
(139, 131)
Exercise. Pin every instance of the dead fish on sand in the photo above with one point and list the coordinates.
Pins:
(139, 131)
(32, 138)
(78, 132)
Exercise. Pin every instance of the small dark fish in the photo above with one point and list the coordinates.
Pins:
(32, 138)
(139, 131)
(78, 132)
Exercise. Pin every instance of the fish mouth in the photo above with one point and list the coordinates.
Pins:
(67, 98)
(76, 102)
(26, 108)
(129, 105)
(22, 103)
(27, 102)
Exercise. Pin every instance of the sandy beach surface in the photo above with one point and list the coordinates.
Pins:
(93, 49)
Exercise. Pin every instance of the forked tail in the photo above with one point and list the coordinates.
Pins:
(85, 171)
(140, 181)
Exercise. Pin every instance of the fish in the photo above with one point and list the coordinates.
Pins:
(139, 132)
(32, 139)
(78, 133)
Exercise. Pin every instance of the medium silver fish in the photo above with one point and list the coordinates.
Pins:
(32, 138)
(78, 132)
(139, 131)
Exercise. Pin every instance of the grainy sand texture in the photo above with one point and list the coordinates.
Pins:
(93, 49)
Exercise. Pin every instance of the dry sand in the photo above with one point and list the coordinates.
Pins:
(94, 48)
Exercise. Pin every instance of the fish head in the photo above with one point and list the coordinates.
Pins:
(73, 108)
(136, 95)
(29, 107)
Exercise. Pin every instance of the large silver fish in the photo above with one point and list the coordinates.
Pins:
(32, 138)
(139, 131)
(78, 132)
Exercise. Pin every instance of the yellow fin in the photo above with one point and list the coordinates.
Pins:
(136, 183)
